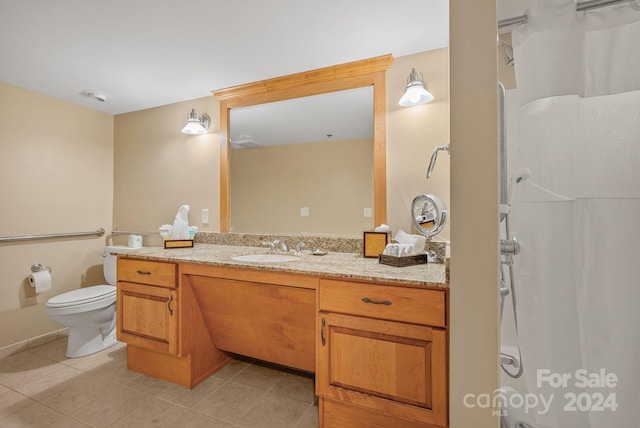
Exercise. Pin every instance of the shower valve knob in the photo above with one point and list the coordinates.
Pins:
(509, 247)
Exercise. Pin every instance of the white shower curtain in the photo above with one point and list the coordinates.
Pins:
(574, 120)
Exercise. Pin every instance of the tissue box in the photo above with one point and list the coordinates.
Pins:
(374, 243)
(419, 259)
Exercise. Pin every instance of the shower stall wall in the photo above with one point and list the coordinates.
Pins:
(574, 122)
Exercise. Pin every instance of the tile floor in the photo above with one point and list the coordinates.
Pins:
(39, 387)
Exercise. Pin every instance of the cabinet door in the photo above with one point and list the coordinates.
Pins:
(147, 316)
(397, 368)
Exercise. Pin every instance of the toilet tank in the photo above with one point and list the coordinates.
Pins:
(109, 262)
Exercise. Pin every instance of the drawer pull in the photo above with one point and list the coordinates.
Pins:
(323, 340)
(143, 272)
(169, 305)
(375, 302)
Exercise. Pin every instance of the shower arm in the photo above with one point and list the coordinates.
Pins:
(434, 156)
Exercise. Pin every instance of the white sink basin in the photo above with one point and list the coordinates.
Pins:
(266, 258)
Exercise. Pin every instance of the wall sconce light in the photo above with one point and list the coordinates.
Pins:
(198, 124)
(415, 94)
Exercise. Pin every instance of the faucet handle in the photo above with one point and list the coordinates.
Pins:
(299, 247)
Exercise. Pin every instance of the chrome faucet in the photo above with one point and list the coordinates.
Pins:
(279, 245)
(276, 245)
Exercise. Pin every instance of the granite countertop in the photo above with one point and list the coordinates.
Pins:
(333, 265)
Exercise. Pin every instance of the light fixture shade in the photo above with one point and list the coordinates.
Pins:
(197, 125)
(415, 94)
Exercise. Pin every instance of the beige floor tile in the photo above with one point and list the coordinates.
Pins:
(99, 391)
(162, 414)
(11, 401)
(232, 368)
(115, 370)
(150, 385)
(25, 366)
(77, 393)
(68, 422)
(35, 415)
(115, 402)
(310, 417)
(297, 386)
(230, 402)
(273, 411)
(54, 350)
(190, 398)
(46, 383)
(261, 376)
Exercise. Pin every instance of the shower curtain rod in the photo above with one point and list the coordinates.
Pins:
(581, 6)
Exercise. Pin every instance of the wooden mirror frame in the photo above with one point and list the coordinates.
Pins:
(368, 72)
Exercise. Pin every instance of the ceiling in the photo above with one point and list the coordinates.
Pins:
(147, 53)
(342, 115)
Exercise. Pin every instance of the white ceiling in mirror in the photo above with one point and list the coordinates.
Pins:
(342, 115)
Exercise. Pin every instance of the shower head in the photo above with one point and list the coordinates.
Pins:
(521, 174)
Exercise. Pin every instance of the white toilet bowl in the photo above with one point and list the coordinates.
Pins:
(90, 313)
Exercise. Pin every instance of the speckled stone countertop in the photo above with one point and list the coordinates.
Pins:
(333, 265)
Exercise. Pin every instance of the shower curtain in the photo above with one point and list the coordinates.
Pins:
(574, 120)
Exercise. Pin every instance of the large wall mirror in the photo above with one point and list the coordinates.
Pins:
(305, 153)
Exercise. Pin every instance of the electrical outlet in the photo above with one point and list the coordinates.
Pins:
(368, 212)
(205, 216)
(304, 212)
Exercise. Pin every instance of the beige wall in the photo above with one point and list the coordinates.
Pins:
(474, 211)
(56, 170)
(333, 179)
(157, 168)
(413, 133)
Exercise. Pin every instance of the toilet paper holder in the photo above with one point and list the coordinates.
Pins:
(37, 267)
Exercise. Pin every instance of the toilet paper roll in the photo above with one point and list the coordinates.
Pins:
(40, 280)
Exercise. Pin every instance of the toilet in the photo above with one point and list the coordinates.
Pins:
(90, 312)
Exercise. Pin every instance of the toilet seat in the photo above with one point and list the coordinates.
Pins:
(82, 300)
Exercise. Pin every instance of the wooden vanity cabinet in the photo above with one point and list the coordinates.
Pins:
(147, 305)
(158, 317)
(381, 356)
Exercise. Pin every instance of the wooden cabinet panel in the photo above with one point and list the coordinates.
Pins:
(412, 305)
(397, 368)
(147, 317)
(147, 272)
(336, 414)
(265, 321)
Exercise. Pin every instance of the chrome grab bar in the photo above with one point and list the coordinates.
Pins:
(98, 232)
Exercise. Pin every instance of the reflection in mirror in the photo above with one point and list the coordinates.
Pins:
(303, 165)
(328, 80)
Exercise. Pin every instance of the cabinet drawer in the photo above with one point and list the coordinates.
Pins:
(411, 305)
(147, 272)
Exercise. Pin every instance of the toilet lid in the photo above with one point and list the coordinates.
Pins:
(82, 296)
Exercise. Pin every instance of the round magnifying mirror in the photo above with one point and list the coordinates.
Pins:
(429, 214)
